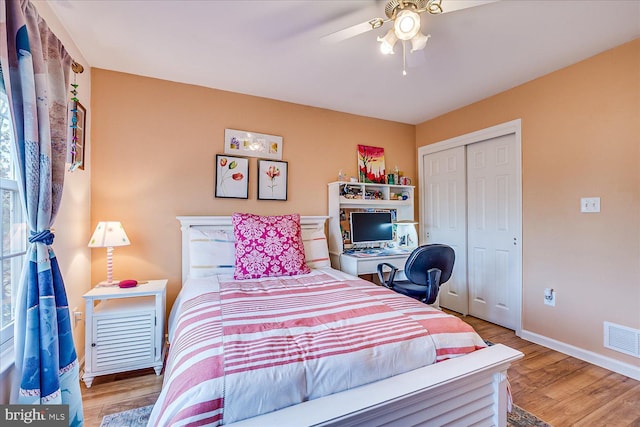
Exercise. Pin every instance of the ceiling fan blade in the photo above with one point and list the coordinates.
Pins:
(347, 33)
(453, 5)
(356, 30)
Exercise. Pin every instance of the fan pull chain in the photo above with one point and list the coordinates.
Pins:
(404, 58)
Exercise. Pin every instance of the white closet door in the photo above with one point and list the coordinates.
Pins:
(493, 229)
(445, 208)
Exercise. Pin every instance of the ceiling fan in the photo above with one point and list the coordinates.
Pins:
(405, 15)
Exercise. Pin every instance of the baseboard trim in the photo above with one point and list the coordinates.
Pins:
(582, 354)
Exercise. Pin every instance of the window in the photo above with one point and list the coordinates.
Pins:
(13, 230)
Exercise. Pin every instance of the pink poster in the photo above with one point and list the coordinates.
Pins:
(371, 164)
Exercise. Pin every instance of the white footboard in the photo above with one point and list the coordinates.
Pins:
(466, 391)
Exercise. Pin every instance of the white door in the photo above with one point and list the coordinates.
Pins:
(493, 224)
(445, 219)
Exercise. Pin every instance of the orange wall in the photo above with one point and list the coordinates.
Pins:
(154, 144)
(153, 151)
(580, 138)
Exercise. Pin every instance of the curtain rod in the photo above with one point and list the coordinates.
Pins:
(76, 67)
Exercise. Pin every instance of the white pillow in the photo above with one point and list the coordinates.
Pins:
(316, 252)
(211, 251)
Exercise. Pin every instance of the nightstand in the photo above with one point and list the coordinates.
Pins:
(125, 330)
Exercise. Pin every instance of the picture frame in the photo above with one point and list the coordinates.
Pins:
(252, 144)
(272, 179)
(232, 177)
(77, 120)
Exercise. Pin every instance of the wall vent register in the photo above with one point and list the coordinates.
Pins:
(622, 338)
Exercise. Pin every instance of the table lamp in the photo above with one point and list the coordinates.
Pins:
(107, 235)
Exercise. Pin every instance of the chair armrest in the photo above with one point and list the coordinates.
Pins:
(392, 274)
(433, 285)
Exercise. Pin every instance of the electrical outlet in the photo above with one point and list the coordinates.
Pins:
(590, 204)
(550, 297)
(77, 317)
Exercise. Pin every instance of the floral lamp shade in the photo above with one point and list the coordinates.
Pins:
(109, 234)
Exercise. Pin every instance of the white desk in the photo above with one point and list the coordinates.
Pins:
(368, 264)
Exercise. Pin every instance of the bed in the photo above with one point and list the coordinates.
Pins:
(319, 348)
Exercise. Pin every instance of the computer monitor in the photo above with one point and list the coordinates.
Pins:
(371, 227)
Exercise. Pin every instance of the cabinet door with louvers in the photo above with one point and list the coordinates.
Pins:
(123, 335)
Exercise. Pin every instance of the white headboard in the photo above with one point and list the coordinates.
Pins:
(224, 223)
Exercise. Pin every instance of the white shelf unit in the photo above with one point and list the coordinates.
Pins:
(359, 198)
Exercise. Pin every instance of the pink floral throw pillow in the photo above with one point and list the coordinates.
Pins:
(268, 246)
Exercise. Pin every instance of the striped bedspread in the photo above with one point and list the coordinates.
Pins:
(246, 348)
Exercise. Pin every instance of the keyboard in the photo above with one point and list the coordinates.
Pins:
(362, 251)
(376, 252)
(394, 251)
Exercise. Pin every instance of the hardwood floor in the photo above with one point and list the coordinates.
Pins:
(119, 392)
(561, 390)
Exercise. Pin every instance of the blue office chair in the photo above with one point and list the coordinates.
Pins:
(426, 269)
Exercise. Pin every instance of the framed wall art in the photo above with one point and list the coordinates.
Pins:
(244, 143)
(78, 119)
(272, 180)
(371, 164)
(232, 177)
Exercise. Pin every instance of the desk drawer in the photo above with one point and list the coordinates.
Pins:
(368, 265)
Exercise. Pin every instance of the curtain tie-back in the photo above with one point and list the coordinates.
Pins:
(45, 236)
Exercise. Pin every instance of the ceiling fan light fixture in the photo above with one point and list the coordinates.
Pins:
(388, 42)
(419, 41)
(406, 24)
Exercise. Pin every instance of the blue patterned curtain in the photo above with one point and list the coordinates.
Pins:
(35, 71)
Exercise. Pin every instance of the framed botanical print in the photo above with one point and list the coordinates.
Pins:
(232, 177)
(272, 180)
(252, 144)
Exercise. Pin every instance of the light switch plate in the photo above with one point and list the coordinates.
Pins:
(590, 204)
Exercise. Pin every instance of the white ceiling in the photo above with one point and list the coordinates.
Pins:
(274, 49)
